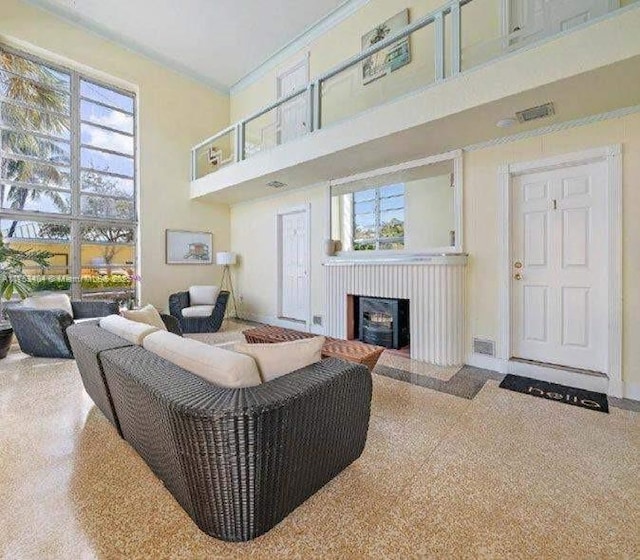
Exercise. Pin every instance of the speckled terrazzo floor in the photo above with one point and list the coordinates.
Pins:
(501, 475)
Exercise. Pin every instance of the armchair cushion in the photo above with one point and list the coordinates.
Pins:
(147, 314)
(129, 330)
(50, 301)
(280, 358)
(203, 295)
(220, 367)
(198, 311)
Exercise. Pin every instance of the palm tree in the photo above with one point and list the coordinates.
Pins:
(30, 86)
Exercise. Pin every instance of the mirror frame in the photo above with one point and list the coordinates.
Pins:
(455, 157)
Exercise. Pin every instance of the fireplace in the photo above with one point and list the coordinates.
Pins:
(382, 321)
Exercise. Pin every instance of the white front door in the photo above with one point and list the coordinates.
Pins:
(530, 20)
(294, 265)
(559, 267)
(293, 115)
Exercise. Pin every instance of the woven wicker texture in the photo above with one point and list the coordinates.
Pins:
(87, 342)
(177, 302)
(238, 460)
(350, 350)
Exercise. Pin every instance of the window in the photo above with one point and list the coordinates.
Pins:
(68, 176)
(378, 218)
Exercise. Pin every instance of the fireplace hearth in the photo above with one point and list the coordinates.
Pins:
(383, 321)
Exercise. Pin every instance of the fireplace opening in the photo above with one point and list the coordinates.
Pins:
(382, 321)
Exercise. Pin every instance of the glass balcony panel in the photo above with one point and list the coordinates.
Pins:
(481, 36)
(405, 66)
(217, 154)
(278, 126)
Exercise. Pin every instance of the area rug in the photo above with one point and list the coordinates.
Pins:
(555, 392)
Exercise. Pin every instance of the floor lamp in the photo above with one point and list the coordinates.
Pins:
(227, 259)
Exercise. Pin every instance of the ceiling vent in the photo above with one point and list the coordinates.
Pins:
(484, 346)
(535, 113)
(276, 184)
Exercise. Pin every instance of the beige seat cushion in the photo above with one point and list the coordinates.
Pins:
(147, 314)
(281, 358)
(132, 331)
(198, 311)
(203, 295)
(50, 301)
(216, 365)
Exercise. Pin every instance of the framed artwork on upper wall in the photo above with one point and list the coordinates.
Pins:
(189, 247)
(394, 56)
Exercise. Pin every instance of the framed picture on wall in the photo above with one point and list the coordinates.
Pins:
(394, 56)
(189, 247)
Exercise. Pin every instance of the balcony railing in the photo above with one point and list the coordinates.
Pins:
(456, 37)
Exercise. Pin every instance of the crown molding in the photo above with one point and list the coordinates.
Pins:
(131, 45)
(315, 30)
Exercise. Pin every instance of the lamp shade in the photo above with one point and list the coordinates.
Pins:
(225, 258)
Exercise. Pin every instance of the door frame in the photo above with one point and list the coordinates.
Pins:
(612, 156)
(301, 208)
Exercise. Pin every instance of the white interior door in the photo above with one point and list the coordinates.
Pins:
(530, 20)
(294, 265)
(559, 267)
(292, 116)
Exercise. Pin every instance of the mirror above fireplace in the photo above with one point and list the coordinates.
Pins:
(412, 208)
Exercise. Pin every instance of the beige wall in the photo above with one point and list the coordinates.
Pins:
(175, 113)
(346, 94)
(429, 214)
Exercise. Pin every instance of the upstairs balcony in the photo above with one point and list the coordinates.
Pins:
(439, 83)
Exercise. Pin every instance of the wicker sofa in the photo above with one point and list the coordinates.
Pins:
(237, 460)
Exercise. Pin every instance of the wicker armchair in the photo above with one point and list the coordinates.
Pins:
(42, 332)
(237, 460)
(209, 324)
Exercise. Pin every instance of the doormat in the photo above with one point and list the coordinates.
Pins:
(554, 392)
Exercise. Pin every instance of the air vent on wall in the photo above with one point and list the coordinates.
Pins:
(534, 113)
(484, 346)
(276, 184)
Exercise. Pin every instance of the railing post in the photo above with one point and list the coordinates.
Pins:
(317, 105)
(240, 130)
(194, 164)
(456, 31)
(439, 46)
(310, 110)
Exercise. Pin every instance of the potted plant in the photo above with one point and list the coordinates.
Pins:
(13, 280)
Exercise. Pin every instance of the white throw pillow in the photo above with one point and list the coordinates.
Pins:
(147, 314)
(198, 311)
(203, 295)
(50, 301)
(216, 365)
(125, 328)
(280, 358)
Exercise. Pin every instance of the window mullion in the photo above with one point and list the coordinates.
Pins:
(76, 264)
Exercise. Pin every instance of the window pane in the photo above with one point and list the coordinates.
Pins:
(392, 190)
(109, 234)
(33, 146)
(34, 200)
(15, 231)
(101, 161)
(393, 203)
(22, 171)
(34, 70)
(391, 246)
(105, 95)
(101, 207)
(364, 246)
(365, 207)
(32, 120)
(361, 196)
(99, 183)
(106, 139)
(106, 117)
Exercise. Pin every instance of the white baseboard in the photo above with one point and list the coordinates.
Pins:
(487, 362)
(631, 391)
(277, 321)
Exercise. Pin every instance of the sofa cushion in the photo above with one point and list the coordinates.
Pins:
(281, 358)
(125, 328)
(203, 295)
(198, 311)
(147, 314)
(216, 365)
(50, 301)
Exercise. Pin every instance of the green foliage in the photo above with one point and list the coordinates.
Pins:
(12, 262)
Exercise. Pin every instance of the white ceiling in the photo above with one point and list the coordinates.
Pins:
(216, 41)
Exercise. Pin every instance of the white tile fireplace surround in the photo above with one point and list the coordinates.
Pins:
(434, 286)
